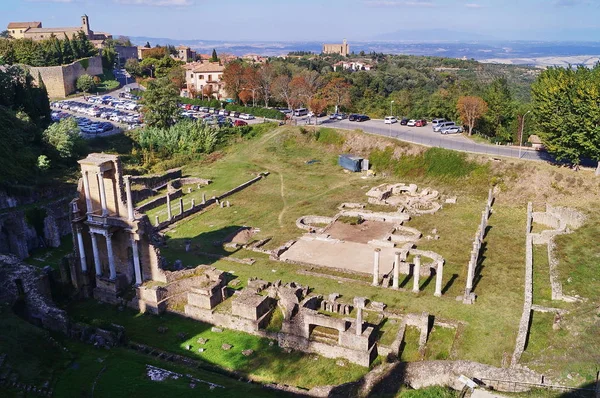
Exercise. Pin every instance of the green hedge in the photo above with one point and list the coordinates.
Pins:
(256, 111)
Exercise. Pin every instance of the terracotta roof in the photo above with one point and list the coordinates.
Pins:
(209, 67)
(20, 25)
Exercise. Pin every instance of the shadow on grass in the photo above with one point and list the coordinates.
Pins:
(449, 284)
(206, 248)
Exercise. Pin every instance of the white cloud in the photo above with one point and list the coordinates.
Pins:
(391, 3)
(473, 5)
(158, 3)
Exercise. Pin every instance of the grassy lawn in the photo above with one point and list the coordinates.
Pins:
(268, 363)
(411, 345)
(107, 82)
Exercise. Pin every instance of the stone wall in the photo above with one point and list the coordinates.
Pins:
(61, 81)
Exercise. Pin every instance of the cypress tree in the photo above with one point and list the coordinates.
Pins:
(214, 57)
(67, 51)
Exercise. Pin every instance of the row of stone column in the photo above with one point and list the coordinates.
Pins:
(109, 253)
(192, 205)
(399, 257)
(479, 236)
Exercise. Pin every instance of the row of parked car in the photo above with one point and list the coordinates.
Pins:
(86, 125)
(192, 111)
(444, 126)
(118, 103)
(405, 121)
(104, 112)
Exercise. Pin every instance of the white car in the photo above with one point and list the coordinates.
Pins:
(452, 130)
(411, 123)
(246, 116)
(390, 120)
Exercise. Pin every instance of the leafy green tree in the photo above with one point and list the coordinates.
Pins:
(28, 52)
(86, 83)
(43, 163)
(5, 34)
(65, 138)
(76, 46)
(7, 52)
(67, 51)
(109, 55)
(160, 103)
(214, 57)
(566, 105)
(133, 67)
(500, 109)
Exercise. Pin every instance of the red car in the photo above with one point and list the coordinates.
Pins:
(421, 123)
(239, 123)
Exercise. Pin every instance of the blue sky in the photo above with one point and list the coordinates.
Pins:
(316, 20)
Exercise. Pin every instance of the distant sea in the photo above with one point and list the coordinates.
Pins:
(515, 52)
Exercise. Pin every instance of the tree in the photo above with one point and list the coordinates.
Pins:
(124, 41)
(5, 34)
(245, 96)
(500, 108)
(317, 106)
(337, 92)
(86, 83)
(64, 137)
(147, 45)
(177, 76)
(67, 51)
(214, 57)
(233, 77)
(207, 91)
(251, 82)
(471, 109)
(566, 105)
(133, 67)
(160, 103)
(266, 75)
(282, 90)
(109, 56)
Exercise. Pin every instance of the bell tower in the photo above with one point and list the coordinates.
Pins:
(85, 24)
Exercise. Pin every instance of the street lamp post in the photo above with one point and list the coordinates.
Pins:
(521, 135)
(392, 108)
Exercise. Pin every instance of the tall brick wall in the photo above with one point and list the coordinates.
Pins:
(61, 81)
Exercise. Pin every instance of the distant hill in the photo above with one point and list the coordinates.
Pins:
(432, 35)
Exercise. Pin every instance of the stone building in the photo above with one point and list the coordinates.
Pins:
(61, 80)
(34, 31)
(112, 241)
(342, 49)
(185, 54)
(205, 78)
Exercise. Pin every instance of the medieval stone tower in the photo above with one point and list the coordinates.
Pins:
(85, 25)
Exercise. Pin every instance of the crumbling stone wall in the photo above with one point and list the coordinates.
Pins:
(20, 282)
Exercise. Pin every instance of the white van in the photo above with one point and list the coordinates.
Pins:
(440, 126)
(435, 122)
(300, 112)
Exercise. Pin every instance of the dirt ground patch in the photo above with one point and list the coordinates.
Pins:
(359, 233)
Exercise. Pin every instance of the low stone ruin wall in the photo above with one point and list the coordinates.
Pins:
(571, 217)
(201, 206)
(161, 200)
(307, 223)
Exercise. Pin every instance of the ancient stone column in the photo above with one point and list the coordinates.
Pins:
(169, 215)
(416, 274)
(136, 261)
(193, 204)
(203, 198)
(111, 258)
(102, 194)
(359, 321)
(396, 283)
(82, 258)
(438, 278)
(97, 264)
(180, 206)
(156, 220)
(376, 267)
(88, 199)
(470, 274)
(129, 201)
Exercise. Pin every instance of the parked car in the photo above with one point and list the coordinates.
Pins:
(246, 116)
(353, 117)
(341, 116)
(441, 126)
(235, 114)
(421, 123)
(239, 123)
(362, 118)
(390, 120)
(452, 130)
(411, 123)
(404, 121)
(436, 122)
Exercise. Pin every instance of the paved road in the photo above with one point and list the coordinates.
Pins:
(426, 136)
